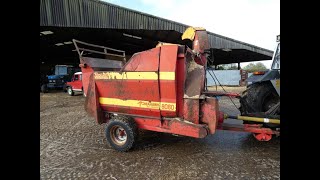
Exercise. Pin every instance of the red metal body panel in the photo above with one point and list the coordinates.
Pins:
(210, 113)
(134, 89)
(168, 91)
(200, 44)
(147, 90)
(141, 90)
(145, 61)
(172, 126)
(168, 58)
(191, 111)
(152, 113)
(86, 74)
(180, 78)
(168, 94)
(92, 105)
(168, 62)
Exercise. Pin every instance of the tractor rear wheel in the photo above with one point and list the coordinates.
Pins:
(121, 133)
(259, 98)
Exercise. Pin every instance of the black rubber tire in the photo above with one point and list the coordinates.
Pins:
(44, 88)
(257, 97)
(70, 91)
(130, 128)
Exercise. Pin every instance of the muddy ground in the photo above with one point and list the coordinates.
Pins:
(73, 146)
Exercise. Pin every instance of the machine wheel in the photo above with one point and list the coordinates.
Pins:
(44, 88)
(121, 133)
(258, 97)
(70, 92)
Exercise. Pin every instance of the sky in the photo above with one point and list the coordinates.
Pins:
(256, 22)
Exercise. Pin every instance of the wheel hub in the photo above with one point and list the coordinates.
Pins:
(118, 135)
(269, 102)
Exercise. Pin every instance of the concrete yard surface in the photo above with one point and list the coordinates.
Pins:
(73, 146)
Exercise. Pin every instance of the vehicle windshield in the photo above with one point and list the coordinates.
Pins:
(60, 70)
(276, 59)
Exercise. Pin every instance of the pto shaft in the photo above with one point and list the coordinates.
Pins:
(255, 119)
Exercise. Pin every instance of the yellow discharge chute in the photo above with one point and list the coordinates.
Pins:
(190, 32)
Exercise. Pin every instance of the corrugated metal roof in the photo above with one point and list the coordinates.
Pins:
(98, 14)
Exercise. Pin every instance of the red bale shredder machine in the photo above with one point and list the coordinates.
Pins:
(161, 89)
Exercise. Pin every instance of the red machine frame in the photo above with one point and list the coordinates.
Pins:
(162, 89)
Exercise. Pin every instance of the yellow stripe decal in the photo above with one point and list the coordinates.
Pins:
(134, 75)
(167, 76)
(137, 103)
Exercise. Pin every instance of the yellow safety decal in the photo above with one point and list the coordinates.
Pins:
(126, 75)
(134, 75)
(167, 76)
(137, 103)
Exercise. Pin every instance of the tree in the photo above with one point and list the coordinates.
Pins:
(232, 66)
(220, 67)
(226, 67)
(252, 67)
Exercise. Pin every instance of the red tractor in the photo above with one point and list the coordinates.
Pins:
(161, 89)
